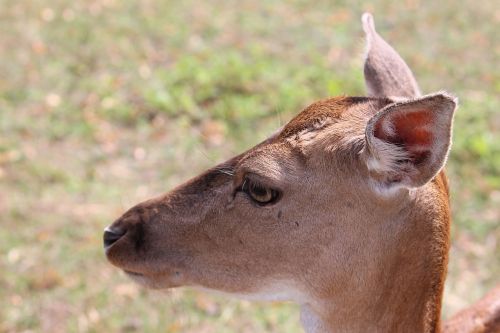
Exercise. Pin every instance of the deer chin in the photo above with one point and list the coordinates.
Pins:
(166, 280)
(139, 278)
(271, 291)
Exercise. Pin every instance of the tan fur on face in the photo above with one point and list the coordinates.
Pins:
(205, 233)
(359, 234)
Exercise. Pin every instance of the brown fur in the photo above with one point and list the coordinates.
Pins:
(317, 112)
(359, 254)
(483, 317)
(236, 247)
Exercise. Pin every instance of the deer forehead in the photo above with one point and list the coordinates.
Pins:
(316, 116)
(274, 161)
(331, 123)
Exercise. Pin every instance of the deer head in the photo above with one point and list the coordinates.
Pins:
(343, 210)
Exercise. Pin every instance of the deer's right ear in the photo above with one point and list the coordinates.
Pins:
(407, 143)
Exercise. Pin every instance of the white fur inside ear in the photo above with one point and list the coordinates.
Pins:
(388, 128)
(384, 157)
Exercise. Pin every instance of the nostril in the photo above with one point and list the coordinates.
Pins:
(111, 236)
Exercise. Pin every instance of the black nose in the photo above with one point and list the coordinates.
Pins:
(111, 236)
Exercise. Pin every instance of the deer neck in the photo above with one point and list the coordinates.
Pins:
(388, 311)
(401, 288)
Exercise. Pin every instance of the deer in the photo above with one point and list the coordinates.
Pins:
(344, 210)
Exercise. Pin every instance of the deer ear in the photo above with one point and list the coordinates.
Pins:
(407, 143)
(386, 73)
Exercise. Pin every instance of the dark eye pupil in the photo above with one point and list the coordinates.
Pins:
(259, 191)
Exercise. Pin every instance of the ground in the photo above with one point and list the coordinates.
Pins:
(106, 103)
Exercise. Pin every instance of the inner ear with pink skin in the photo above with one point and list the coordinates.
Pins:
(408, 142)
(410, 130)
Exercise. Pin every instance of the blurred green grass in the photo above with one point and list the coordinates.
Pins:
(104, 103)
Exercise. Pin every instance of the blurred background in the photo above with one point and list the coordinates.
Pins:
(106, 103)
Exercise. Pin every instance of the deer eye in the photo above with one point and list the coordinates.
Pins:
(260, 194)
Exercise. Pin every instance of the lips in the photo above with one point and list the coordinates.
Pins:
(133, 273)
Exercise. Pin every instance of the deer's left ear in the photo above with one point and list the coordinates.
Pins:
(407, 143)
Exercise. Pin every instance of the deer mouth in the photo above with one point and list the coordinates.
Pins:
(133, 274)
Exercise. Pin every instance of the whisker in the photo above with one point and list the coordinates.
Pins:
(205, 154)
(228, 172)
